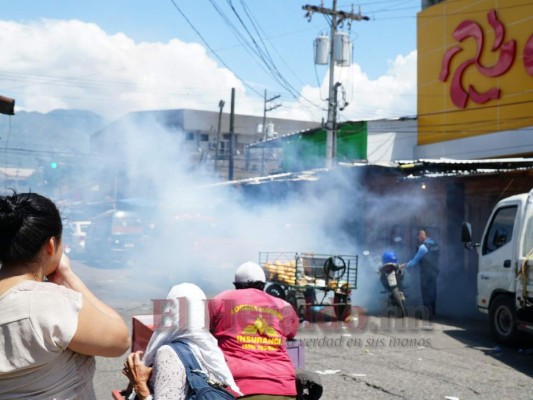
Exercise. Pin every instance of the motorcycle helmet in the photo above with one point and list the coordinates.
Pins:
(389, 257)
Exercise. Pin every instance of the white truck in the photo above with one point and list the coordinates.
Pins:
(505, 267)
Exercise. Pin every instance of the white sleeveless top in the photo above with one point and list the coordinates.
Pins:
(37, 322)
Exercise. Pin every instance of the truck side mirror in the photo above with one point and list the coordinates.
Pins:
(466, 236)
(466, 233)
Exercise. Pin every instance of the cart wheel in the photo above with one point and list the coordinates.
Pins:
(276, 291)
(342, 306)
(334, 267)
(297, 301)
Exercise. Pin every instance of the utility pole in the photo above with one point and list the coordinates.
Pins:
(337, 17)
(217, 152)
(265, 109)
(231, 135)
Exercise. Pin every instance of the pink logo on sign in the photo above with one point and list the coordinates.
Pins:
(507, 53)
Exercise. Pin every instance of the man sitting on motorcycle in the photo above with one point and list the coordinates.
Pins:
(389, 262)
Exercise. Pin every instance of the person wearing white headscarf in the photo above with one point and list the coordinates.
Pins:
(184, 318)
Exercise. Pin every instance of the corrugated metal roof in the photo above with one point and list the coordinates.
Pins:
(411, 169)
(452, 167)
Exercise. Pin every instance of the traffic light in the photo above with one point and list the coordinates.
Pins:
(53, 164)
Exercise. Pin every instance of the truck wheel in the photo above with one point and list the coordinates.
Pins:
(503, 323)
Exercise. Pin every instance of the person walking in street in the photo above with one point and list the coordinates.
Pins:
(252, 327)
(427, 257)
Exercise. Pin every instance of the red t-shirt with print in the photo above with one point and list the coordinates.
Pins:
(251, 327)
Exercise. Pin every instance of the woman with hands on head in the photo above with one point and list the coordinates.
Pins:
(51, 324)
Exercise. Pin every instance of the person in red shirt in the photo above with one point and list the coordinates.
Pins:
(252, 327)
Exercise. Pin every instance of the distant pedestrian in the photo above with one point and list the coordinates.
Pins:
(427, 257)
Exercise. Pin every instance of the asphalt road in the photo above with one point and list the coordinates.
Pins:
(369, 358)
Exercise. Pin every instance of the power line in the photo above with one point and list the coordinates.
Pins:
(264, 55)
(210, 48)
(260, 31)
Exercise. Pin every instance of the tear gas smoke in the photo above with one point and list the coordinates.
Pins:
(202, 229)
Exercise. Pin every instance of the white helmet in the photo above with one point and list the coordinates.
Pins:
(249, 272)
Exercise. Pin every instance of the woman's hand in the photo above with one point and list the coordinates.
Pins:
(62, 272)
(138, 374)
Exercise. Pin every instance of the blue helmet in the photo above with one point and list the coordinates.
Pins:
(389, 257)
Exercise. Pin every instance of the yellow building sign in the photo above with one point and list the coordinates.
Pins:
(475, 68)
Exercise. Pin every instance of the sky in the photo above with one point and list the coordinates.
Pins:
(115, 57)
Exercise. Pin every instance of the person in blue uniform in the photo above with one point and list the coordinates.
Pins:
(427, 257)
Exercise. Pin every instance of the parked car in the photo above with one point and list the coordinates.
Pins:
(74, 238)
(115, 236)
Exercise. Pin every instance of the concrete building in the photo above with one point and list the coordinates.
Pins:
(203, 137)
(391, 139)
(371, 142)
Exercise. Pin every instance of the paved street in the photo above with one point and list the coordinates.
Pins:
(371, 358)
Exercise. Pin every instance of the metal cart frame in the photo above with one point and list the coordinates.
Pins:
(296, 278)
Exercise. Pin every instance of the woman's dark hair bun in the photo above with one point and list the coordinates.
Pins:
(10, 220)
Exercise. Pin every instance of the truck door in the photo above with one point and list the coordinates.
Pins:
(496, 271)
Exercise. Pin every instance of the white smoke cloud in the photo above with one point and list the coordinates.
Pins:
(203, 230)
(50, 64)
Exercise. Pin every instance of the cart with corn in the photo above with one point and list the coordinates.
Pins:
(299, 278)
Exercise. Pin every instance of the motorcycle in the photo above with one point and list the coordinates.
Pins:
(391, 277)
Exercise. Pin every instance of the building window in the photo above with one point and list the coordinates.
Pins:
(189, 136)
(204, 137)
